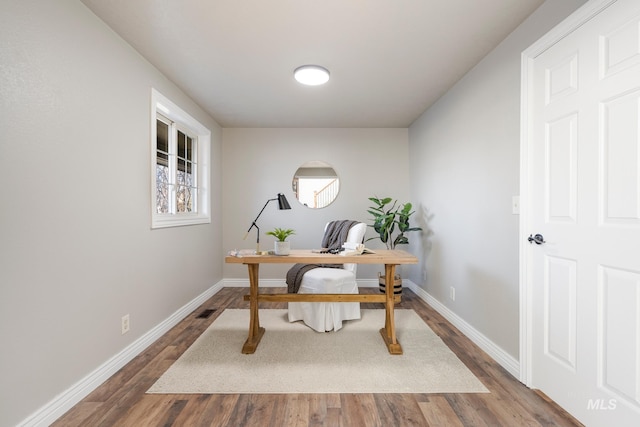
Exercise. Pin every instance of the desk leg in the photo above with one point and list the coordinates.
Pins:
(389, 331)
(255, 331)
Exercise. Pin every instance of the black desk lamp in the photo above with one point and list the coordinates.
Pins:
(282, 204)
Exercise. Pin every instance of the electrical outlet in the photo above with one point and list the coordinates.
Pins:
(452, 293)
(125, 324)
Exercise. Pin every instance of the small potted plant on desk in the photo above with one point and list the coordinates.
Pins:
(387, 221)
(281, 246)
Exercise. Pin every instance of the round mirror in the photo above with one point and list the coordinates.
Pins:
(316, 184)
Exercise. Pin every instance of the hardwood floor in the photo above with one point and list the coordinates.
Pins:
(121, 400)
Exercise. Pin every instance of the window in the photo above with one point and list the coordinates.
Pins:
(180, 166)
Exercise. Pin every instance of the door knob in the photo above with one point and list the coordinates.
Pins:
(538, 239)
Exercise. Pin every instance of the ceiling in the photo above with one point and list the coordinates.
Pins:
(389, 59)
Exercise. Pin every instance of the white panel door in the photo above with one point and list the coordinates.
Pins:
(584, 182)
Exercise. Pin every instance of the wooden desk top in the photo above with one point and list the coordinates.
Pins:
(306, 256)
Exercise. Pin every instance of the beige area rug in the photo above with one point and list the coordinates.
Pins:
(292, 358)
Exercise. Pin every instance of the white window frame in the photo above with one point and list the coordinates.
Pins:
(161, 105)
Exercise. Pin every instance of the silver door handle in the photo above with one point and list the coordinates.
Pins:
(538, 239)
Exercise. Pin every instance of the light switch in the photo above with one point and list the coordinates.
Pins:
(515, 205)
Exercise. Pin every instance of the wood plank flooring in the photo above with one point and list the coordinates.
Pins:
(121, 400)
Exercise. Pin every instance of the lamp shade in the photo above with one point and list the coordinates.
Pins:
(283, 203)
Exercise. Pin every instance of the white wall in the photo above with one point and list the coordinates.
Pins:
(260, 163)
(77, 251)
(464, 162)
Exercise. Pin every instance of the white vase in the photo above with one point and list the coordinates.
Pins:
(282, 248)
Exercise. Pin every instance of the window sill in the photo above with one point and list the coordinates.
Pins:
(165, 221)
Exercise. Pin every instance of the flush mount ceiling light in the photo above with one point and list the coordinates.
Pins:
(311, 75)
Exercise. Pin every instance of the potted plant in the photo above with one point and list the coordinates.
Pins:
(281, 246)
(391, 223)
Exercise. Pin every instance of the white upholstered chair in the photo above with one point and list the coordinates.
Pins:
(328, 316)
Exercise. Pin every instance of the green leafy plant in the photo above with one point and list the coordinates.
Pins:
(281, 233)
(391, 219)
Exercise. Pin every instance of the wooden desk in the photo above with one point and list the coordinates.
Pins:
(389, 258)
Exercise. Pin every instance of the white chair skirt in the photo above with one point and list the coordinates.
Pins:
(326, 316)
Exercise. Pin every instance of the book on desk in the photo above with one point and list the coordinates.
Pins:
(348, 249)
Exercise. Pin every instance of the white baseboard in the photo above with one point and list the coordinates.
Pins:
(495, 352)
(70, 397)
